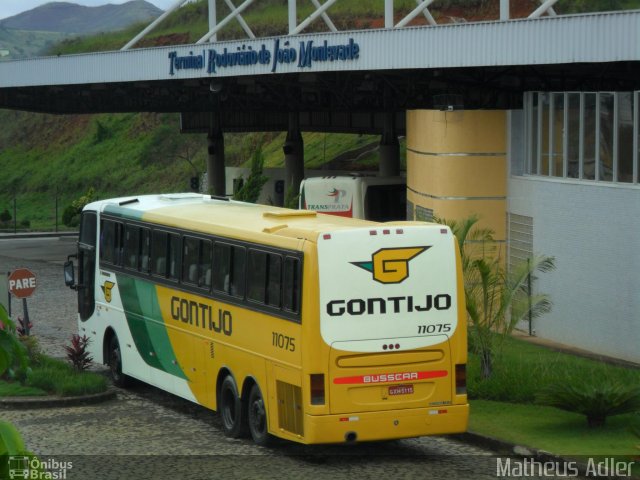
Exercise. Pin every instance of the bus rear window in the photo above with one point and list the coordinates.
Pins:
(384, 203)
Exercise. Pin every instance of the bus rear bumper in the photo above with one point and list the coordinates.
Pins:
(390, 424)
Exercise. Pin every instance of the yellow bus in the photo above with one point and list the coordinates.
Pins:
(293, 324)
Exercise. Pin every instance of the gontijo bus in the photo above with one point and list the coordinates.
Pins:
(309, 327)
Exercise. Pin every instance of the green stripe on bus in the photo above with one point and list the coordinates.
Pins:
(142, 311)
(122, 212)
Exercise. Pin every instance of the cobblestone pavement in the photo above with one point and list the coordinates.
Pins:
(148, 434)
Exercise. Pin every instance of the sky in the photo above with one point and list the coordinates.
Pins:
(9, 8)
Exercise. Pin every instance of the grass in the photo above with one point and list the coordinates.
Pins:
(503, 406)
(552, 430)
(12, 389)
(523, 369)
(49, 376)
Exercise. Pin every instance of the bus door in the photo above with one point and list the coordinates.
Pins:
(388, 304)
(87, 264)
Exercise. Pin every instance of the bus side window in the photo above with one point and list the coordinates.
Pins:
(119, 245)
(222, 262)
(229, 276)
(145, 249)
(173, 256)
(190, 259)
(131, 246)
(159, 253)
(274, 280)
(107, 241)
(237, 281)
(257, 276)
(205, 264)
(291, 284)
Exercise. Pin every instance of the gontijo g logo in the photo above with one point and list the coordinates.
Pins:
(391, 265)
(106, 289)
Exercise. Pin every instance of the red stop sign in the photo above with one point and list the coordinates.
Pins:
(22, 283)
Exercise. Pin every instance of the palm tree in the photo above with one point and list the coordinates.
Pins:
(496, 299)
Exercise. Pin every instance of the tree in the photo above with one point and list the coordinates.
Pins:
(291, 198)
(496, 299)
(251, 188)
(71, 214)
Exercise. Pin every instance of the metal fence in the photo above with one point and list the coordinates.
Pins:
(29, 212)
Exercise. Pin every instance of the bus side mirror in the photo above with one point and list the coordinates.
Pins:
(69, 274)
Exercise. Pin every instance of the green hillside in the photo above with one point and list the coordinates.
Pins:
(66, 17)
(47, 156)
(36, 31)
(26, 43)
(47, 159)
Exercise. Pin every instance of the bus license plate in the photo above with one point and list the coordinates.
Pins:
(401, 390)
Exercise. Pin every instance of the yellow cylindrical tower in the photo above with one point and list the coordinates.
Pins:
(456, 165)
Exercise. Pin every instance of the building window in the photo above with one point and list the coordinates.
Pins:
(583, 135)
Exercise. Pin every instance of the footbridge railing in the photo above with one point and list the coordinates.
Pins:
(321, 11)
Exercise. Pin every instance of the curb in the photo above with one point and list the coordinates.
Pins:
(24, 403)
(510, 449)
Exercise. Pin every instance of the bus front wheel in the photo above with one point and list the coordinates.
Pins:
(115, 364)
(257, 418)
(231, 411)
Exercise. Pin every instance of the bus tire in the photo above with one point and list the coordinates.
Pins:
(234, 423)
(257, 418)
(115, 364)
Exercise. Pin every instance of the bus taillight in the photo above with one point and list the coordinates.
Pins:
(317, 388)
(461, 379)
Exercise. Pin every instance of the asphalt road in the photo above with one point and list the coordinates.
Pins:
(148, 434)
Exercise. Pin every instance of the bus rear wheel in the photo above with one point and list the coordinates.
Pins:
(115, 364)
(231, 411)
(257, 418)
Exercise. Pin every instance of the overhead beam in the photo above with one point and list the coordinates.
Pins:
(153, 25)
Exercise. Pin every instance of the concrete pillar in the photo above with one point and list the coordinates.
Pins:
(216, 181)
(456, 166)
(389, 149)
(293, 156)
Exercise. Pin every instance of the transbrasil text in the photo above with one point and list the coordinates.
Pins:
(282, 53)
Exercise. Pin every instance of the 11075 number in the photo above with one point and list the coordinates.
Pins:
(435, 328)
(283, 341)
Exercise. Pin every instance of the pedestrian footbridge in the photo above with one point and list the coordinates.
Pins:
(338, 80)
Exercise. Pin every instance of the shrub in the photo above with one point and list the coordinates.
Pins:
(70, 216)
(5, 216)
(595, 401)
(32, 347)
(77, 352)
(12, 352)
